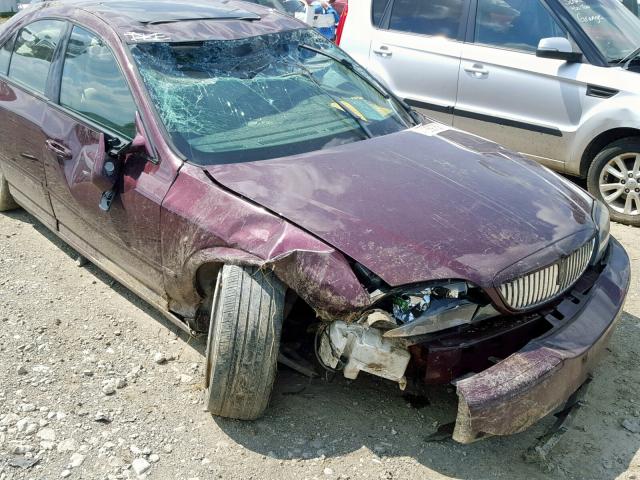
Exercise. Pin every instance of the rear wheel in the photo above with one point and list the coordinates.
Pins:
(243, 343)
(6, 200)
(614, 178)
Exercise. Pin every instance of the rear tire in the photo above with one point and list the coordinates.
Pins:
(243, 343)
(6, 200)
(614, 178)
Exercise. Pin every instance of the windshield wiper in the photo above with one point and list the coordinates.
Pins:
(374, 84)
(626, 61)
(363, 126)
(346, 63)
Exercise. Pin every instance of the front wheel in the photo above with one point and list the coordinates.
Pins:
(243, 343)
(614, 178)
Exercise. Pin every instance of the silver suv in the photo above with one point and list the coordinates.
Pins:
(553, 79)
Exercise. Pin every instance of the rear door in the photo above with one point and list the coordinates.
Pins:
(416, 51)
(506, 93)
(94, 99)
(23, 99)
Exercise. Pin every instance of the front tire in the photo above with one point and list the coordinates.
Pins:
(243, 343)
(6, 200)
(614, 178)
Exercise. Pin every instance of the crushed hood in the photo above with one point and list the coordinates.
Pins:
(426, 203)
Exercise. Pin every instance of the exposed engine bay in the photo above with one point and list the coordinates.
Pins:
(378, 343)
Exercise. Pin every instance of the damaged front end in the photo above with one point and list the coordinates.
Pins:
(510, 370)
(381, 340)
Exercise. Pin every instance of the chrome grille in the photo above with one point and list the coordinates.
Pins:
(546, 284)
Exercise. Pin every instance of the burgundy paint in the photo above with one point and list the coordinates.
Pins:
(514, 394)
(22, 115)
(410, 206)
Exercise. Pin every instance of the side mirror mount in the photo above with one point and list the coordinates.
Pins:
(110, 158)
(558, 48)
(104, 169)
(139, 146)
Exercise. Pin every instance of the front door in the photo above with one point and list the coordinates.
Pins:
(506, 93)
(416, 52)
(26, 61)
(94, 99)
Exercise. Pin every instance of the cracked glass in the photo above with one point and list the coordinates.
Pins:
(228, 101)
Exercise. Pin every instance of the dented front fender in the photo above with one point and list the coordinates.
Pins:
(203, 223)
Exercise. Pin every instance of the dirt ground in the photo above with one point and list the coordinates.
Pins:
(69, 334)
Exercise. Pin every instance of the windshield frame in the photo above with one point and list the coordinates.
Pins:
(590, 49)
(408, 115)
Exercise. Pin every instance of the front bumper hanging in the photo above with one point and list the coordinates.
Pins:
(515, 393)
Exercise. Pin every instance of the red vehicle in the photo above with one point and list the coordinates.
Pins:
(155, 138)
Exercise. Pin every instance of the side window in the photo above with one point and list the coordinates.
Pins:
(514, 24)
(433, 17)
(93, 85)
(33, 52)
(377, 11)
(5, 56)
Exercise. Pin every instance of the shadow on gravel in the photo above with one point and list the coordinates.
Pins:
(110, 282)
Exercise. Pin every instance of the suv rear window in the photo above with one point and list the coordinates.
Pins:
(33, 52)
(434, 18)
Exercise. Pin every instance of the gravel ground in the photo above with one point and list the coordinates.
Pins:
(95, 384)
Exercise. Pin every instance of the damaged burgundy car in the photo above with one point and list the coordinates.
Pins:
(234, 168)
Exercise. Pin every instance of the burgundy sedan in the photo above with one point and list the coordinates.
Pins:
(247, 178)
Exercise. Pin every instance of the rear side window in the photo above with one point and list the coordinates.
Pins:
(33, 52)
(433, 17)
(5, 56)
(93, 85)
(378, 8)
(514, 24)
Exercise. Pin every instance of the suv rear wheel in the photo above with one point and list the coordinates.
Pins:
(243, 344)
(614, 178)
(6, 200)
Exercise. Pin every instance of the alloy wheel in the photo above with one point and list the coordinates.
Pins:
(620, 183)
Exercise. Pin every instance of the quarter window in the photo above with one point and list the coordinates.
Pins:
(33, 52)
(93, 85)
(434, 17)
(514, 24)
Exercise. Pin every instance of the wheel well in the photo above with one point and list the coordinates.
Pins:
(205, 276)
(601, 141)
(204, 282)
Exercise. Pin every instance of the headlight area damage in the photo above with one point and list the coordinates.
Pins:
(510, 367)
(510, 370)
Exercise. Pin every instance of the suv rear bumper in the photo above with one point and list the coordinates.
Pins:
(533, 382)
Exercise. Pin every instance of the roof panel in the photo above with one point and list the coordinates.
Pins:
(155, 12)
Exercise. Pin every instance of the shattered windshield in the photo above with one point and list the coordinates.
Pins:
(228, 101)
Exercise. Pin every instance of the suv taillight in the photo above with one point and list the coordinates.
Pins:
(343, 19)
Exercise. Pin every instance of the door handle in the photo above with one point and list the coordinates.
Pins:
(476, 70)
(60, 151)
(383, 51)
